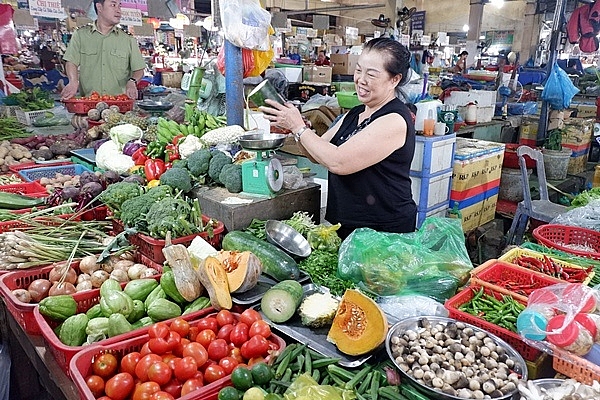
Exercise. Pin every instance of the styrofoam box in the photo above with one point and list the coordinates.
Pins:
(439, 211)
(323, 183)
(430, 191)
(484, 98)
(484, 114)
(433, 153)
(293, 74)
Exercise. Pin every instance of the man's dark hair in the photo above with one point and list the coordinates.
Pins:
(96, 2)
(398, 60)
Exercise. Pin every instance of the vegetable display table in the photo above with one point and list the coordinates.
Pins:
(236, 210)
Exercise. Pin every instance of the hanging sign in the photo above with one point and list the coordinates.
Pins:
(131, 17)
(351, 32)
(141, 5)
(417, 22)
(47, 8)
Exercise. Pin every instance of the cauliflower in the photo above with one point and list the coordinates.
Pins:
(318, 310)
(189, 145)
(109, 157)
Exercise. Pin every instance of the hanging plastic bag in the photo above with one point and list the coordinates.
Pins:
(247, 61)
(558, 89)
(246, 24)
(431, 262)
(262, 59)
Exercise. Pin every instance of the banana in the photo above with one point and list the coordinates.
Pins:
(184, 129)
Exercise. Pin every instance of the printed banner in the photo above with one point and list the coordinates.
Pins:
(47, 8)
(131, 16)
(141, 5)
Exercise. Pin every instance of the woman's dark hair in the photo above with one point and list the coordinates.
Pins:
(463, 53)
(398, 60)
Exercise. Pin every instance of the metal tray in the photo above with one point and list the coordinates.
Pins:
(88, 155)
(254, 295)
(316, 339)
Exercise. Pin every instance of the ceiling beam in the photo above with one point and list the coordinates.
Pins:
(333, 9)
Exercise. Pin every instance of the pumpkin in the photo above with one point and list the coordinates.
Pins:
(79, 121)
(213, 277)
(186, 279)
(359, 325)
(243, 269)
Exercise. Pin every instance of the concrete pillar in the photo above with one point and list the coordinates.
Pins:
(531, 32)
(475, 18)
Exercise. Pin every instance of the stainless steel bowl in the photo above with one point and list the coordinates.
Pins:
(414, 323)
(261, 141)
(155, 105)
(287, 238)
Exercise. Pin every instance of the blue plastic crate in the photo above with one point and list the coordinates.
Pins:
(35, 174)
(430, 191)
(433, 154)
(88, 155)
(438, 211)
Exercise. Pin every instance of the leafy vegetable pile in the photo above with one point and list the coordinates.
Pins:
(321, 266)
(585, 197)
(10, 128)
(32, 99)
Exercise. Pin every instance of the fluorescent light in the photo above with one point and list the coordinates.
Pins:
(497, 3)
(465, 28)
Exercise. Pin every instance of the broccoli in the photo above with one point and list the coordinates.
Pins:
(159, 192)
(231, 177)
(198, 162)
(180, 164)
(116, 194)
(216, 164)
(177, 178)
(170, 215)
(133, 211)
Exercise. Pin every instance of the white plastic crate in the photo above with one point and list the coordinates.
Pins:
(433, 154)
(439, 211)
(430, 191)
(484, 114)
(27, 117)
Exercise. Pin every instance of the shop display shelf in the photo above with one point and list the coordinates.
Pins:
(453, 304)
(81, 364)
(561, 237)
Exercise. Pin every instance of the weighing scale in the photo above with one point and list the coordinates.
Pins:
(156, 108)
(264, 174)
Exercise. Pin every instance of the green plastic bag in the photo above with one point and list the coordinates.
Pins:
(431, 262)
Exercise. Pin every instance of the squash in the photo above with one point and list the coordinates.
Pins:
(243, 269)
(186, 279)
(79, 121)
(359, 325)
(214, 278)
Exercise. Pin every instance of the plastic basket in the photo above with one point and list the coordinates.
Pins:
(517, 252)
(347, 99)
(81, 364)
(12, 178)
(575, 367)
(35, 174)
(80, 106)
(27, 117)
(7, 226)
(494, 273)
(30, 165)
(529, 353)
(31, 189)
(152, 248)
(561, 236)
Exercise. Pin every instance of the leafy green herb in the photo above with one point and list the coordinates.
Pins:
(585, 197)
(302, 222)
(257, 229)
(554, 139)
(321, 266)
(10, 128)
(32, 99)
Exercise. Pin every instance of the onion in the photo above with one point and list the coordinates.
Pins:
(57, 272)
(98, 278)
(22, 295)
(123, 265)
(148, 272)
(119, 275)
(89, 265)
(135, 271)
(61, 288)
(38, 289)
(84, 285)
(83, 278)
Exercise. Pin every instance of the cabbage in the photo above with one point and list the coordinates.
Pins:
(122, 134)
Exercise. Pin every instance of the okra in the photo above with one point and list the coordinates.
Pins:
(365, 384)
(360, 396)
(287, 375)
(360, 375)
(316, 375)
(336, 379)
(341, 373)
(284, 354)
(307, 362)
(323, 362)
(326, 380)
(283, 365)
(390, 393)
(299, 363)
(375, 387)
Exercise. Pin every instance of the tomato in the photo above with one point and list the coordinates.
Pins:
(205, 337)
(225, 317)
(95, 384)
(145, 390)
(236, 354)
(249, 316)
(193, 333)
(129, 361)
(217, 349)
(255, 360)
(162, 395)
(160, 373)
(105, 366)
(228, 364)
(173, 388)
(178, 349)
(239, 334)
(159, 346)
(145, 350)
(213, 373)
(120, 386)
(260, 327)
(208, 323)
(185, 368)
(141, 369)
(159, 330)
(225, 332)
(191, 385)
(173, 339)
(257, 346)
(181, 326)
(197, 352)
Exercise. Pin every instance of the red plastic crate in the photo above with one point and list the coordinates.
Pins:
(557, 236)
(575, 367)
(20, 279)
(7, 226)
(81, 364)
(29, 165)
(152, 248)
(529, 353)
(31, 189)
(493, 272)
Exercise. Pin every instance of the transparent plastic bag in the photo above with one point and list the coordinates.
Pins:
(408, 306)
(432, 262)
(4, 371)
(246, 24)
(305, 387)
(587, 216)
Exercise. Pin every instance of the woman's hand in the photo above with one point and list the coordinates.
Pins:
(284, 116)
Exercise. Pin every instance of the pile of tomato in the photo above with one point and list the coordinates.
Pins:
(183, 357)
(95, 96)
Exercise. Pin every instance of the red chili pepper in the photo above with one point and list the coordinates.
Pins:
(154, 168)
(139, 157)
(171, 152)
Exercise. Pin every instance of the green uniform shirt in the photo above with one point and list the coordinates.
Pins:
(105, 62)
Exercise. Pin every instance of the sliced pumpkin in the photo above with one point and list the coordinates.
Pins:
(186, 279)
(243, 269)
(359, 325)
(214, 278)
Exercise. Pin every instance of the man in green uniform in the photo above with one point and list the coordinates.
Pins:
(102, 57)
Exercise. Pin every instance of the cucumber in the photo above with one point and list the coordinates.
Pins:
(276, 263)
(14, 201)
(281, 301)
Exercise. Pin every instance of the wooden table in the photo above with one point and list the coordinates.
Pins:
(34, 371)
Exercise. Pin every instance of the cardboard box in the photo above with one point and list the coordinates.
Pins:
(578, 131)
(477, 164)
(479, 213)
(343, 64)
(585, 110)
(293, 74)
(484, 113)
(577, 164)
(305, 90)
(317, 74)
(528, 132)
